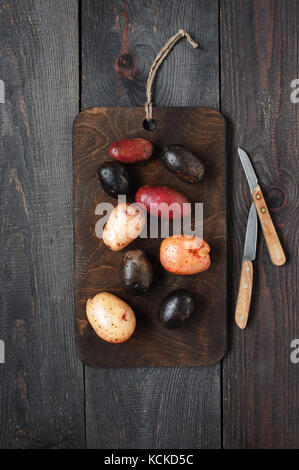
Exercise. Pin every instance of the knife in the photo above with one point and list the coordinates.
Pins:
(274, 247)
(246, 278)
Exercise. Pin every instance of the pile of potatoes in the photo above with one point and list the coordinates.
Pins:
(113, 319)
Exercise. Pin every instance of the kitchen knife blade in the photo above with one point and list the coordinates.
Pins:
(249, 171)
(251, 235)
(246, 278)
(273, 244)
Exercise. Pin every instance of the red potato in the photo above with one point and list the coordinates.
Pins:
(182, 254)
(163, 202)
(111, 318)
(131, 150)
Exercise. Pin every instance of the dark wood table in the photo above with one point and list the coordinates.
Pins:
(58, 57)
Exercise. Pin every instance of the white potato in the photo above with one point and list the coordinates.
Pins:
(111, 318)
(124, 225)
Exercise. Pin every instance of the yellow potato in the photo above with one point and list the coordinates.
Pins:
(111, 318)
(124, 225)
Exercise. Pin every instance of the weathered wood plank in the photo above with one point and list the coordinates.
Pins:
(166, 408)
(151, 408)
(259, 48)
(41, 384)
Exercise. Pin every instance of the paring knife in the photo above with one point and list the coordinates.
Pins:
(274, 247)
(246, 279)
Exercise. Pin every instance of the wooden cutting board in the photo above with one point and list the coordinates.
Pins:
(202, 341)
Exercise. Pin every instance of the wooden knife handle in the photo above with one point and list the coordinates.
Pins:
(244, 295)
(274, 247)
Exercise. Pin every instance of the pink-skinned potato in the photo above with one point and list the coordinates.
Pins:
(112, 319)
(164, 202)
(182, 254)
(131, 150)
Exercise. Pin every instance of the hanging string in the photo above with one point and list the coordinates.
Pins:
(156, 64)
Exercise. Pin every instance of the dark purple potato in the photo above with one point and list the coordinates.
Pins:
(183, 163)
(114, 178)
(136, 272)
(176, 308)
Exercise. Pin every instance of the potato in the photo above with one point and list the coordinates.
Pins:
(111, 318)
(124, 225)
(182, 254)
(183, 163)
(176, 308)
(131, 150)
(136, 272)
(114, 178)
(163, 202)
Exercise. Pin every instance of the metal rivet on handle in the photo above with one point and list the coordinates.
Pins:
(258, 196)
(263, 210)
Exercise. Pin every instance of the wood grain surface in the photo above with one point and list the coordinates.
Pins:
(41, 383)
(156, 408)
(259, 60)
(203, 340)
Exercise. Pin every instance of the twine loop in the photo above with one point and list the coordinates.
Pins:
(156, 64)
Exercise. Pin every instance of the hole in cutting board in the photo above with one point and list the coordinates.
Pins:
(150, 125)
